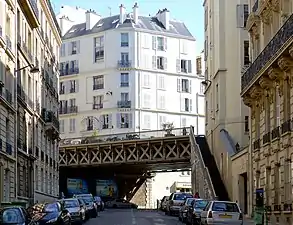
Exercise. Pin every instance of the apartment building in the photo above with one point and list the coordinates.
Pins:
(226, 54)
(266, 88)
(30, 42)
(127, 73)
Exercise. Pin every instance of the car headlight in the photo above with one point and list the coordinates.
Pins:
(53, 220)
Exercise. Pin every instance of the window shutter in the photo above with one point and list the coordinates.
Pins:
(78, 46)
(69, 48)
(178, 85)
(178, 66)
(76, 86)
(118, 120)
(182, 105)
(189, 68)
(190, 86)
(154, 61)
(240, 15)
(190, 105)
(130, 120)
(101, 122)
(110, 121)
(165, 44)
(154, 42)
(165, 63)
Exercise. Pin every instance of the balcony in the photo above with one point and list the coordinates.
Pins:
(98, 86)
(124, 84)
(70, 71)
(31, 12)
(24, 98)
(124, 65)
(8, 148)
(6, 97)
(278, 44)
(98, 106)
(2, 39)
(123, 104)
(266, 138)
(68, 110)
(276, 133)
(52, 123)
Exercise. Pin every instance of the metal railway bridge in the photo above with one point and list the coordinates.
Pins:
(129, 159)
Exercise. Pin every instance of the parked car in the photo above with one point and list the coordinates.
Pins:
(194, 211)
(77, 212)
(175, 201)
(120, 203)
(184, 209)
(222, 212)
(15, 215)
(89, 203)
(164, 203)
(100, 203)
(50, 213)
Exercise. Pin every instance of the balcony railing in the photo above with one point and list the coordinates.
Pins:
(124, 84)
(68, 110)
(98, 106)
(49, 117)
(98, 86)
(6, 94)
(124, 104)
(70, 71)
(126, 64)
(255, 6)
(8, 148)
(286, 126)
(266, 138)
(283, 36)
(256, 144)
(8, 43)
(275, 133)
(24, 97)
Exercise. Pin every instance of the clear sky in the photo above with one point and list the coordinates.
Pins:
(188, 11)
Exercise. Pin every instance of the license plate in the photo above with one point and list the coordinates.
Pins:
(225, 216)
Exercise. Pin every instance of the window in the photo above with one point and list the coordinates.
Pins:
(72, 125)
(161, 82)
(74, 47)
(246, 124)
(201, 89)
(147, 121)
(277, 108)
(98, 82)
(162, 120)
(207, 114)
(146, 100)
(186, 105)
(124, 57)
(106, 121)
(72, 102)
(159, 43)
(246, 14)
(72, 86)
(98, 102)
(124, 80)
(124, 120)
(62, 122)
(242, 15)
(124, 39)
(99, 48)
(199, 66)
(161, 101)
(184, 66)
(146, 80)
(246, 53)
(217, 96)
(90, 123)
(160, 62)
(184, 85)
(124, 97)
(62, 88)
(62, 50)
(183, 122)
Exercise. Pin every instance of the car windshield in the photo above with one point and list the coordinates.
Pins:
(87, 200)
(11, 216)
(182, 196)
(97, 198)
(189, 201)
(49, 208)
(71, 203)
(201, 204)
(225, 207)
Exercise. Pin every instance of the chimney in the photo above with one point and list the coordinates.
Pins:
(91, 19)
(135, 13)
(165, 18)
(65, 24)
(122, 13)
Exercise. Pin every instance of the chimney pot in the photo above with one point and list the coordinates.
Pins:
(135, 13)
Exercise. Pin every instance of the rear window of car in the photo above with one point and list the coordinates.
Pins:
(200, 204)
(189, 201)
(182, 196)
(11, 216)
(225, 207)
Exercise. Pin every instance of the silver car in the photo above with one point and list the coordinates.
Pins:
(77, 212)
(222, 212)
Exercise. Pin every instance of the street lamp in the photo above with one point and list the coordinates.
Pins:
(34, 69)
(206, 82)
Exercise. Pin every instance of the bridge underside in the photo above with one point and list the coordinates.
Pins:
(130, 169)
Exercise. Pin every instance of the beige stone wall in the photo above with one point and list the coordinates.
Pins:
(140, 197)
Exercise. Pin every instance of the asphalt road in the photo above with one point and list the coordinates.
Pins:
(137, 217)
(132, 217)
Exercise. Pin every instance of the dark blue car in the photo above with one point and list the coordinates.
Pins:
(50, 213)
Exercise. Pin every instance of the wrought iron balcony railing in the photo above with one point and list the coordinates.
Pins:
(8, 43)
(124, 104)
(255, 6)
(68, 110)
(98, 106)
(24, 97)
(124, 64)
(6, 94)
(98, 86)
(50, 117)
(284, 34)
(70, 71)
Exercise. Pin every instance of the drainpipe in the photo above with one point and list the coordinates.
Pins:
(250, 169)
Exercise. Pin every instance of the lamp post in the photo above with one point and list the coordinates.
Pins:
(33, 69)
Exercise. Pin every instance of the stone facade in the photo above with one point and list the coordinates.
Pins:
(267, 89)
(140, 197)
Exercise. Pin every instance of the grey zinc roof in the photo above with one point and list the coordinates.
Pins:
(147, 23)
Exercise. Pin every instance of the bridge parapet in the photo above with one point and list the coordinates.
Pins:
(167, 149)
(201, 180)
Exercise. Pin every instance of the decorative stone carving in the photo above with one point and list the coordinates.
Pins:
(247, 100)
(256, 91)
(285, 63)
(291, 51)
(280, 86)
(275, 5)
(274, 73)
(252, 21)
(266, 15)
(255, 31)
(265, 82)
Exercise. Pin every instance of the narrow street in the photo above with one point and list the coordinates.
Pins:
(133, 217)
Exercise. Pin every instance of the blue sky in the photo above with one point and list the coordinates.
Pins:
(188, 11)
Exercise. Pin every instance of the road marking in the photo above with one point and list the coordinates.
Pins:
(133, 217)
(158, 220)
